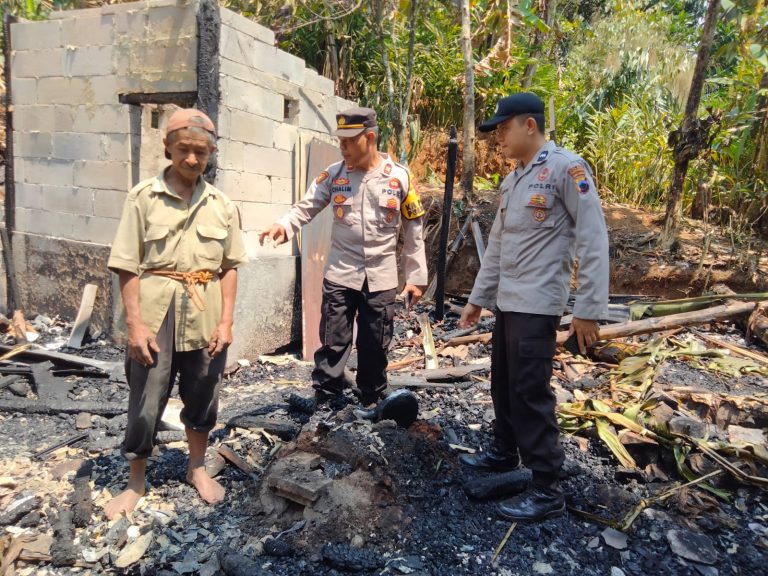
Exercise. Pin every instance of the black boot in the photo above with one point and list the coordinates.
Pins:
(493, 459)
(310, 404)
(539, 502)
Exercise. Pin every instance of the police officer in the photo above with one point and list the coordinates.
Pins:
(371, 197)
(549, 214)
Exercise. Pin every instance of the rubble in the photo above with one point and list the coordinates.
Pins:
(664, 443)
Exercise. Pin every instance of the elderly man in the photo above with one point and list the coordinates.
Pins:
(371, 196)
(176, 251)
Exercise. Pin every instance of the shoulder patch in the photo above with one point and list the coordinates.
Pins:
(411, 208)
(322, 177)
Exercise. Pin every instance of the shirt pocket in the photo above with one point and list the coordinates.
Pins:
(155, 245)
(537, 210)
(342, 210)
(389, 211)
(211, 243)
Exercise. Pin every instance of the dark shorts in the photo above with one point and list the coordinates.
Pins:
(200, 378)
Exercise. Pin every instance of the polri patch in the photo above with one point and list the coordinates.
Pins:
(544, 175)
(540, 214)
(394, 184)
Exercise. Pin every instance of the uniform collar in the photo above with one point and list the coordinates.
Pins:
(380, 169)
(160, 185)
(540, 157)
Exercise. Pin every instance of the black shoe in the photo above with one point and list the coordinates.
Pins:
(537, 503)
(491, 460)
(307, 405)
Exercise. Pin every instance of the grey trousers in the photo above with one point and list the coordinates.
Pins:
(200, 378)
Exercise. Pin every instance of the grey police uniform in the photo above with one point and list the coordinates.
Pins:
(549, 214)
(369, 208)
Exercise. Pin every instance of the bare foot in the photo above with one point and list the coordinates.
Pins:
(210, 490)
(124, 502)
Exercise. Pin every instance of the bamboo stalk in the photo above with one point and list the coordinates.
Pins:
(662, 323)
(503, 543)
(743, 352)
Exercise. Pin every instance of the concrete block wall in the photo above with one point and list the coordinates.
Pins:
(72, 136)
(268, 99)
(78, 149)
(74, 150)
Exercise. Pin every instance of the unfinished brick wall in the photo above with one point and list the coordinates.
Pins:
(271, 105)
(72, 135)
(78, 149)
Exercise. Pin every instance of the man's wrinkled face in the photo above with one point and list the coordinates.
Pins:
(190, 151)
(355, 148)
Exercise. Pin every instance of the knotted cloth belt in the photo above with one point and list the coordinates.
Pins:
(191, 280)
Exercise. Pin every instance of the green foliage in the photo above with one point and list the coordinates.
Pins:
(619, 71)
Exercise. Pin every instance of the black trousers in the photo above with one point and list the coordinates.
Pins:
(200, 379)
(523, 400)
(375, 323)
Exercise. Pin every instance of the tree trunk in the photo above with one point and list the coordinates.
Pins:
(405, 102)
(468, 153)
(688, 140)
(538, 41)
(394, 118)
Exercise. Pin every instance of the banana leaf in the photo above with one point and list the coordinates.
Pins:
(607, 435)
(680, 454)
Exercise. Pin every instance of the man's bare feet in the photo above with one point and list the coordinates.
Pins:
(124, 502)
(210, 490)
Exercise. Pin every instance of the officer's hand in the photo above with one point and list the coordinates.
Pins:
(141, 344)
(276, 235)
(470, 316)
(220, 339)
(587, 333)
(414, 292)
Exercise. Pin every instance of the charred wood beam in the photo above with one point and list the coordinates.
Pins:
(32, 406)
